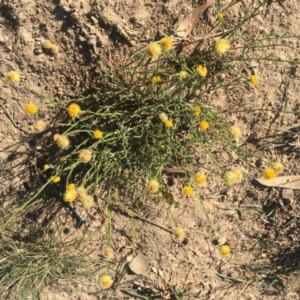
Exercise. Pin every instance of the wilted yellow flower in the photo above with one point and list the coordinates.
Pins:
(87, 201)
(197, 111)
(82, 192)
(163, 117)
(184, 75)
(98, 134)
(74, 110)
(202, 71)
(166, 43)
(269, 174)
(277, 167)
(153, 186)
(55, 137)
(71, 187)
(179, 233)
(254, 79)
(54, 49)
(106, 281)
(200, 178)
(169, 124)
(40, 125)
(187, 190)
(109, 253)
(153, 49)
(203, 125)
(46, 44)
(156, 80)
(233, 177)
(62, 141)
(31, 108)
(85, 155)
(13, 76)
(225, 250)
(46, 167)
(235, 132)
(55, 179)
(70, 196)
(222, 46)
(220, 16)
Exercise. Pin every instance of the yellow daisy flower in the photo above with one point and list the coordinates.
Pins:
(55, 179)
(62, 141)
(203, 125)
(166, 43)
(254, 79)
(222, 46)
(187, 190)
(197, 111)
(235, 132)
(202, 71)
(179, 233)
(40, 125)
(277, 167)
(200, 178)
(71, 187)
(220, 16)
(106, 281)
(98, 134)
(153, 186)
(70, 196)
(156, 80)
(31, 108)
(269, 174)
(169, 124)
(85, 155)
(184, 75)
(225, 250)
(74, 110)
(13, 76)
(153, 49)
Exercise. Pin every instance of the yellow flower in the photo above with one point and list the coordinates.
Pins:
(70, 196)
(31, 108)
(106, 281)
(222, 46)
(82, 192)
(269, 174)
(220, 16)
(187, 190)
(197, 111)
(163, 117)
(254, 79)
(40, 125)
(55, 179)
(46, 44)
(46, 167)
(62, 141)
(200, 178)
(235, 132)
(87, 201)
(184, 75)
(203, 125)
(54, 49)
(166, 43)
(233, 177)
(71, 187)
(98, 134)
(85, 155)
(225, 250)
(179, 233)
(153, 186)
(202, 71)
(109, 253)
(156, 80)
(13, 76)
(74, 110)
(153, 49)
(169, 124)
(277, 167)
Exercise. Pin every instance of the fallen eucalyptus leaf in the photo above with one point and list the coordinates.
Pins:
(139, 264)
(286, 182)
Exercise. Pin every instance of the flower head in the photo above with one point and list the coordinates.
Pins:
(106, 281)
(70, 196)
(109, 253)
(269, 174)
(184, 75)
(31, 108)
(40, 125)
(62, 141)
(46, 44)
(82, 192)
(166, 43)
(222, 46)
(203, 125)
(235, 132)
(202, 71)
(153, 186)
(187, 190)
(277, 167)
(156, 80)
(233, 177)
(179, 233)
(74, 110)
(225, 250)
(163, 117)
(200, 178)
(169, 124)
(254, 79)
(13, 76)
(54, 49)
(85, 155)
(55, 179)
(98, 134)
(87, 201)
(71, 187)
(153, 49)
(220, 16)
(197, 111)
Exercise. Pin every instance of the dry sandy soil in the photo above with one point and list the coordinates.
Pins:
(93, 35)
